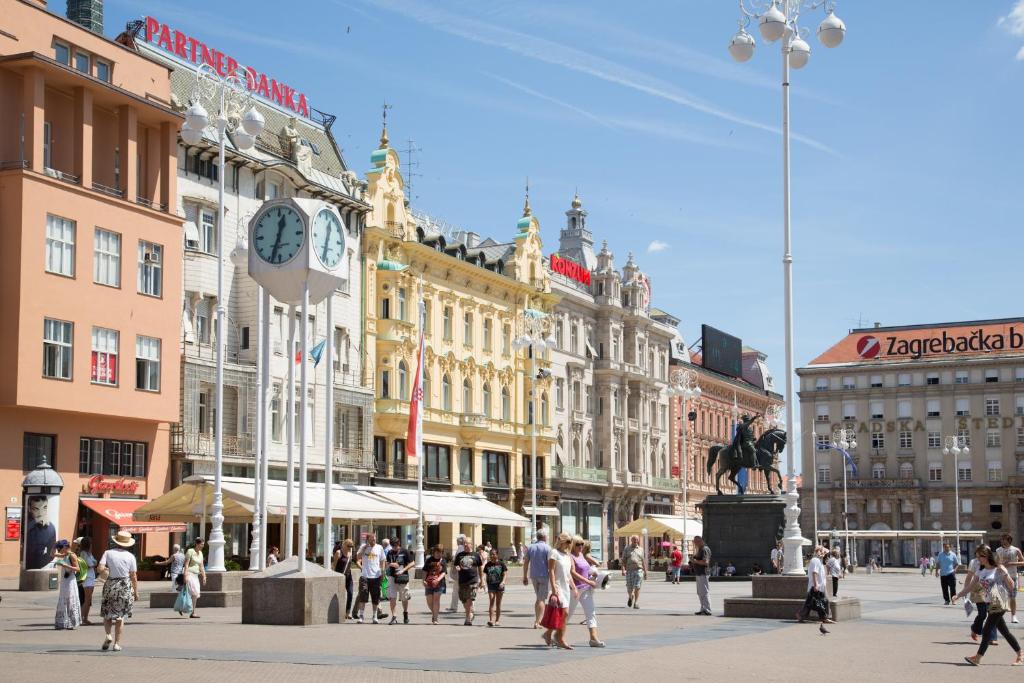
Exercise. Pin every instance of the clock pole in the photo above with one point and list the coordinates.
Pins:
(264, 462)
(261, 370)
(304, 412)
(329, 436)
(289, 528)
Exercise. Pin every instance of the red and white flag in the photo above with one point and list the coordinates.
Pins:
(414, 437)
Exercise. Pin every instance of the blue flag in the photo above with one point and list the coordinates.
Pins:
(849, 461)
(316, 352)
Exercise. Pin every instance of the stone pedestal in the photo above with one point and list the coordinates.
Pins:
(281, 595)
(222, 589)
(37, 580)
(781, 597)
(743, 529)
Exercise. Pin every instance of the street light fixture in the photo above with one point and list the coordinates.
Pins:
(843, 441)
(684, 385)
(956, 445)
(778, 20)
(236, 116)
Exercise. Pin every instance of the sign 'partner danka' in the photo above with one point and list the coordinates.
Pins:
(197, 52)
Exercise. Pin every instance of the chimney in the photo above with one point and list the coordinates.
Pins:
(877, 325)
(87, 14)
(472, 239)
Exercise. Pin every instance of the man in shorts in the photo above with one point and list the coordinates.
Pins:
(459, 542)
(471, 569)
(370, 559)
(400, 562)
(535, 571)
(1011, 558)
(634, 566)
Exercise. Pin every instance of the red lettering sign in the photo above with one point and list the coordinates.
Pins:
(197, 52)
(13, 530)
(570, 269)
(100, 484)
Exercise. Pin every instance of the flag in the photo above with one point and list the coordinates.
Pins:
(315, 353)
(414, 434)
(849, 460)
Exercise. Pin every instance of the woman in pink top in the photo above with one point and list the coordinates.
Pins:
(580, 573)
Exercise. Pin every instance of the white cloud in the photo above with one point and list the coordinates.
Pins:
(1020, 55)
(657, 245)
(1014, 21)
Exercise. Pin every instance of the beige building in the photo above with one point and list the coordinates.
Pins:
(905, 391)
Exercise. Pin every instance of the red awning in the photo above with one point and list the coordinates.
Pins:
(120, 512)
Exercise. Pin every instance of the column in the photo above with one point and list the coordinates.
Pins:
(83, 136)
(150, 189)
(33, 100)
(168, 159)
(128, 144)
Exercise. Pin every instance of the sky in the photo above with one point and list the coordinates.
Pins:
(904, 165)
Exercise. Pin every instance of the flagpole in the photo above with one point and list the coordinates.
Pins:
(418, 397)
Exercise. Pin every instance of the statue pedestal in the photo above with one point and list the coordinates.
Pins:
(222, 589)
(281, 595)
(781, 597)
(38, 580)
(743, 529)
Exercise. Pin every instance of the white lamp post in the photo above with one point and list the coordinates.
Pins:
(956, 445)
(535, 327)
(778, 19)
(684, 385)
(843, 441)
(236, 117)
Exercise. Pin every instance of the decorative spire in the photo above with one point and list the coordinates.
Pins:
(384, 128)
(576, 203)
(526, 205)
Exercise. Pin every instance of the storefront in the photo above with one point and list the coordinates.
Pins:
(101, 518)
(583, 518)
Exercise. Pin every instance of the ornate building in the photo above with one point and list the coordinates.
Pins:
(476, 429)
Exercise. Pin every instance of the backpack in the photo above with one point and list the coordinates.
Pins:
(83, 570)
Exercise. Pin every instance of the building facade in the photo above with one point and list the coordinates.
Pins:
(90, 277)
(609, 372)
(476, 417)
(906, 391)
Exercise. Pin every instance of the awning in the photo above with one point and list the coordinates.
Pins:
(451, 506)
(593, 353)
(657, 525)
(889, 535)
(191, 232)
(542, 511)
(121, 513)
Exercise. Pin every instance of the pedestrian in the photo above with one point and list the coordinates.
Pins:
(996, 585)
(120, 588)
(634, 567)
(80, 574)
(562, 591)
(923, 563)
(948, 562)
(470, 570)
(86, 557)
(175, 563)
(699, 563)
(459, 542)
(1011, 558)
(535, 572)
(834, 567)
(434, 584)
(582, 573)
(69, 609)
(776, 558)
(370, 560)
(341, 562)
(495, 571)
(676, 564)
(272, 557)
(816, 599)
(194, 572)
(972, 587)
(400, 563)
(730, 568)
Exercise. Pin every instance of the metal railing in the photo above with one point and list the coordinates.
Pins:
(354, 458)
(17, 163)
(587, 474)
(666, 483)
(62, 175)
(106, 189)
(202, 443)
(395, 229)
(474, 420)
(151, 204)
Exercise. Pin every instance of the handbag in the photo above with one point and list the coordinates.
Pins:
(183, 603)
(998, 598)
(401, 579)
(554, 615)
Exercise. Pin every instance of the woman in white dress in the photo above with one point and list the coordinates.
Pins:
(89, 585)
(562, 589)
(69, 614)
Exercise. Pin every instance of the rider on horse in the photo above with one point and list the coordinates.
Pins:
(743, 442)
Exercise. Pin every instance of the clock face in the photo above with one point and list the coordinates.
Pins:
(279, 235)
(328, 239)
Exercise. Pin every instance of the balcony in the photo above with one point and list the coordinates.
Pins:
(354, 458)
(636, 479)
(202, 444)
(578, 416)
(606, 364)
(590, 475)
(395, 229)
(149, 203)
(633, 424)
(107, 190)
(474, 420)
(666, 484)
(63, 175)
(394, 330)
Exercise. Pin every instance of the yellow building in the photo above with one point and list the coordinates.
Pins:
(476, 429)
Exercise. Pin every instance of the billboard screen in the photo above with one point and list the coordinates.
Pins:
(721, 352)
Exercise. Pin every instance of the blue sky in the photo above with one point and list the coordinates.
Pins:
(904, 166)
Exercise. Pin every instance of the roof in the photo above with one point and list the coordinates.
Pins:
(1001, 337)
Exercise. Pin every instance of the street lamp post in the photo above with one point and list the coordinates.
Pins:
(843, 441)
(536, 336)
(956, 445)
(778, 19)
(684, 385)
(238, 118)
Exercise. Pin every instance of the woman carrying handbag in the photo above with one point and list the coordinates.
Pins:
(559, 571)
(996, 585)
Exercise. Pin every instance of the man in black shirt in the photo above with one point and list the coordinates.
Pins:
(399, 563)
(700, 562)
(470, 568)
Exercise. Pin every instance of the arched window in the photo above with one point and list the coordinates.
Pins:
(544, 409)
(426, 389)
(506, 405)
(403, 380)
(467, 396)
(446, 393)
(487, 399)
(907, 471)
(877, 471)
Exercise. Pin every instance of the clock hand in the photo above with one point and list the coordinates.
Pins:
(327, 241)
(277, 243)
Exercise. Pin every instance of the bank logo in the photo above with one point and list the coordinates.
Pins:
(868, 347)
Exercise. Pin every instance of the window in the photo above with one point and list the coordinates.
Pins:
(58, 338)
(904, 408)
(467, 396)
(877, 439)
(436, 461)
(403, 312)
(906, 439)
(275, 414)
(935, 506)
(934, 440)
(104, 356)
(849, 383)
(82, 62)
(151, 271)
(103, 70)
(544, 409)
(966, 505)
(208, 231)
(467, 329)
(934, 471)
(850, 411)
(872, 506)
(60, 246)
(446, 323)
(506, 405)
(823, 440)
(466, 466)
(403, 380)
(933, 408)
(878, 471)
(821, 384)
(488, 333)
(385, 308)
(203, 321)
(35, 448)
(506, 339)
(243, 342)
(995, 507)
(147, 363)
(877, 410)
(821, 413)
(965, 436)
(991, 376)
(426, 389)
(446, 393)
(62, 53)
(903, 379)
(495, 468)
(961, 377)
(111, 457)
(994, 471)
(963, 407)
(963, 471)
(1018, 405)
(574, 338)
(106, 258)
(993, 438)
(991, 406)
(932, 378)
(385, 384)
(560, 394)
(824, 474)
(1018, 374)
(427, 320)
(825, 506)
(487, 399)
(876, 381)
(1020, 437)
(559, 334)
(906, 470)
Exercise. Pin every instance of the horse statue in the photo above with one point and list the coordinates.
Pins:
(731, 458)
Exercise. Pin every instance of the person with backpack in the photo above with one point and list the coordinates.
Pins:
(400, 563)
(434, 584)
(342, 562)
(996, 585)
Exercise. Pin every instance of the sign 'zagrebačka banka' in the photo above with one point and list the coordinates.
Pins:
(197, 52)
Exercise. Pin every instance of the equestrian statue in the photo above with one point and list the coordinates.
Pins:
(745, 452)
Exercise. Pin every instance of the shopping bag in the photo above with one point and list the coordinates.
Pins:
(183, 603)
(554, 615)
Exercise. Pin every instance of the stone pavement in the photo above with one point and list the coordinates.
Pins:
(906, 631)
